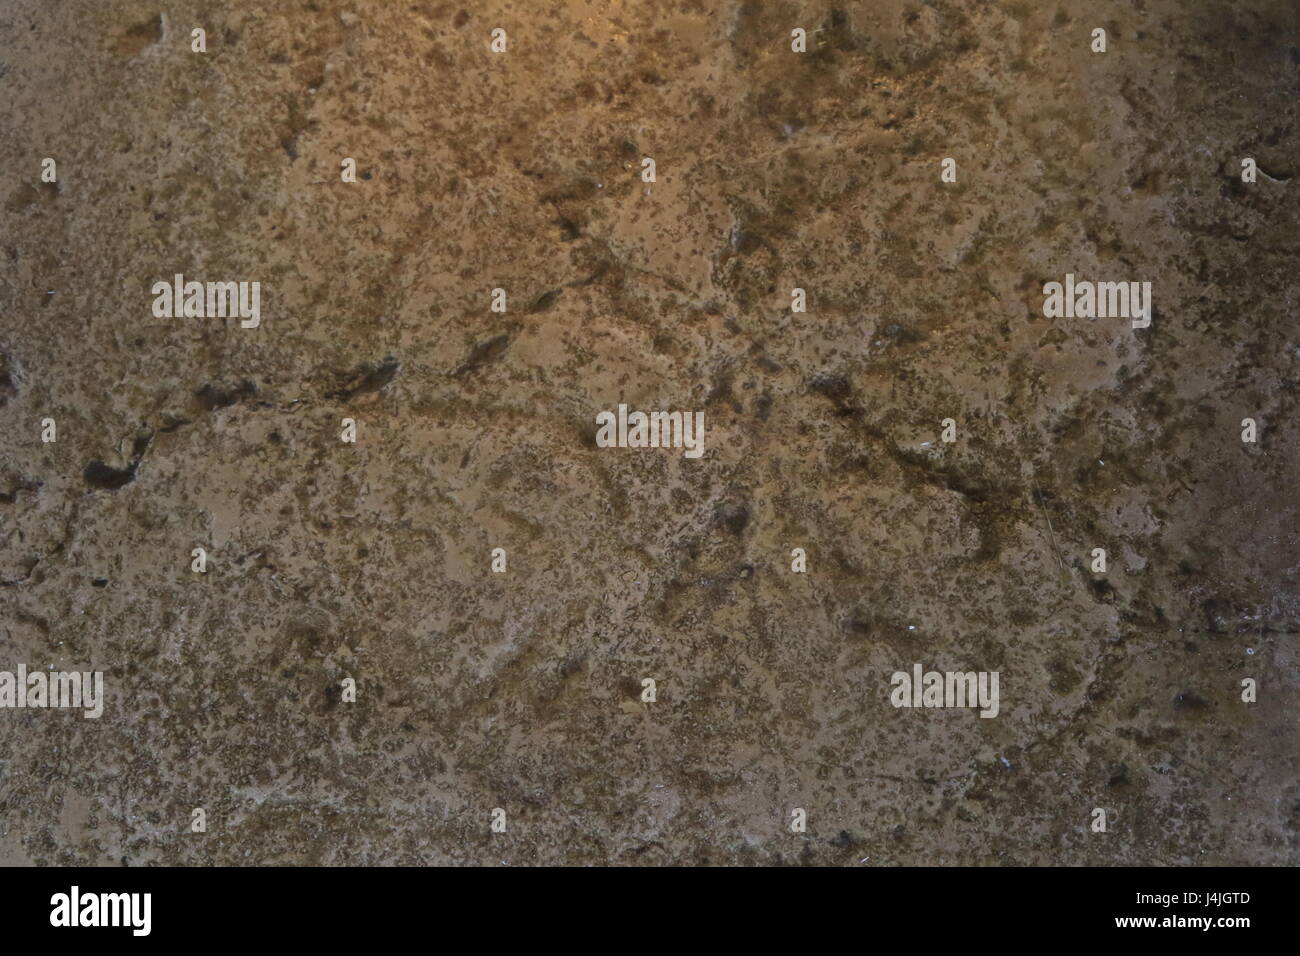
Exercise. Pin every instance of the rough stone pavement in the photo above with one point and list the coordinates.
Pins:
(476, 431)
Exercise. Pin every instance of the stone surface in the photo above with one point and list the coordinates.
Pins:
(476, 431)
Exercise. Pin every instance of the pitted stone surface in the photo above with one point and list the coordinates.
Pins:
(476, 431)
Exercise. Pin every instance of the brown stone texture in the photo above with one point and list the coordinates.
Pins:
(476, 430)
